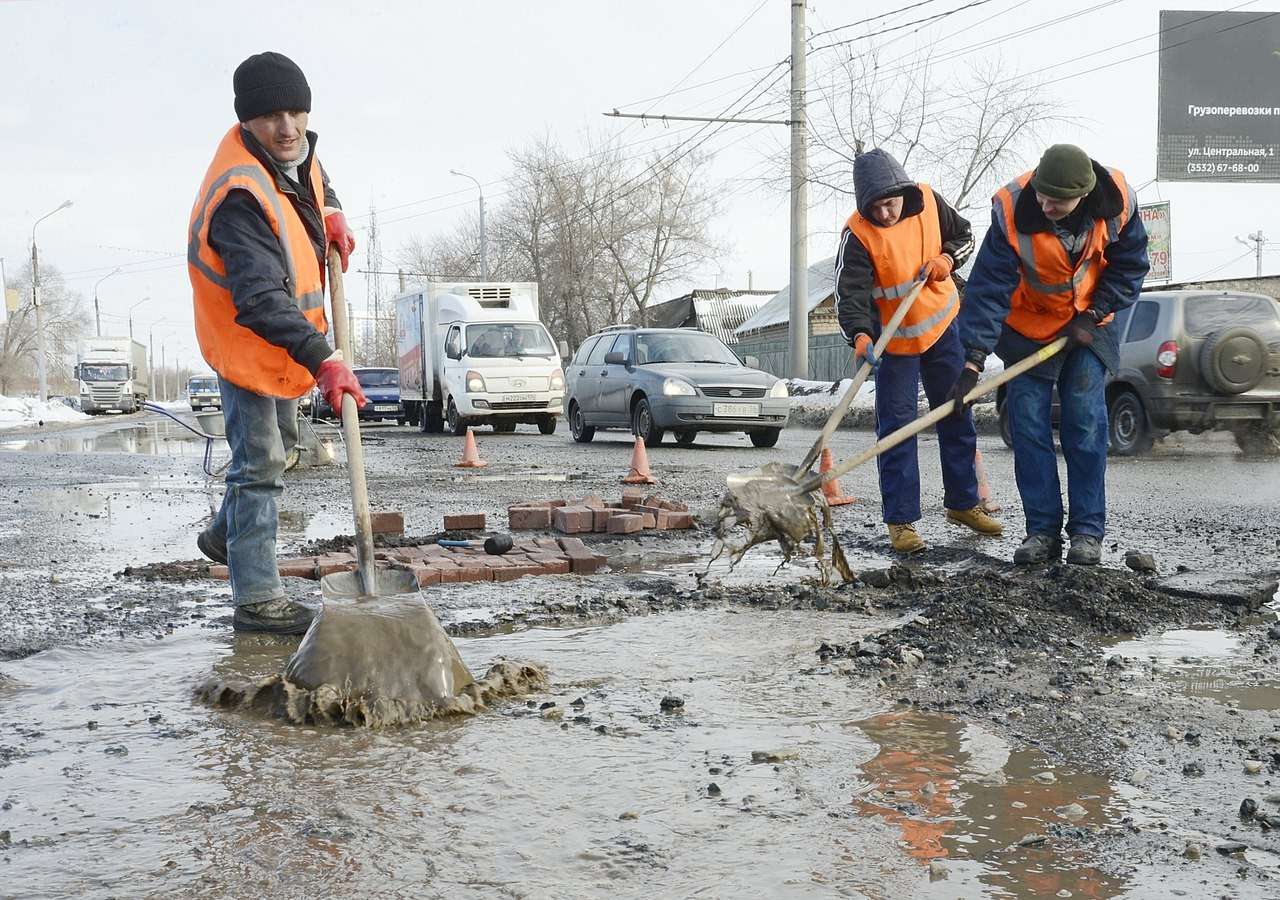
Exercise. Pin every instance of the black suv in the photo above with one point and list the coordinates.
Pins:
(1192, 361)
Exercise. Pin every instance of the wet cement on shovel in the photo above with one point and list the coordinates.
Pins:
(767, 504)
(375, 662)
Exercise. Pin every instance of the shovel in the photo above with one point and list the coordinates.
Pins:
(376, 648)
(776, 503)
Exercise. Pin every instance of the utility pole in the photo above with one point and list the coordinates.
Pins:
(97, 315)
(164, 376)
(41, 374)
(484, 241)
(1256, 242)
(799, 325)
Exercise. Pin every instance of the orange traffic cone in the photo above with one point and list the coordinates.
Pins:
(639, 473)
(470, 455)
(984, 489)
(831, 489)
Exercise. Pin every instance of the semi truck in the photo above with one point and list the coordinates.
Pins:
(475, 353)
(113, 374)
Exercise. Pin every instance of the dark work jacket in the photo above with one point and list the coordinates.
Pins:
(240, 233)
(997, 271)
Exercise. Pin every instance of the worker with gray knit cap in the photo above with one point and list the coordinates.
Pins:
(260, 230)
(1065, 252)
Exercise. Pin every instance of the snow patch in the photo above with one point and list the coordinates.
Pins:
(23, 412)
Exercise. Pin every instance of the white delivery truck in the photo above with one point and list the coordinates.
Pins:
(113, 374)
(476, 354)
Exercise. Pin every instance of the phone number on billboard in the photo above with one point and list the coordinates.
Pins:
(1223, 168)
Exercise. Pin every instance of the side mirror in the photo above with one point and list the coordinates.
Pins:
(614, 358)
(564, 349)
(751, 362)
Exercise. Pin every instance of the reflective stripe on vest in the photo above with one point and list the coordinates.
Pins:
(1053, 289)
(232, 350)
(896, 255)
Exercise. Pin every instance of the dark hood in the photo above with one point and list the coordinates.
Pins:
(877, 175)
(1105, 201)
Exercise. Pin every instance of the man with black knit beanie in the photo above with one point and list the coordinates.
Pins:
(259, 234)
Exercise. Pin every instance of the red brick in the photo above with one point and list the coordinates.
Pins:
(525, 546)
(552, 563)
(327, 565)
(593, 501)
(554, 503)
(549, 545)
(519, 570)
(632, 496)
(219, 572)
(572, 519)
(527, 518)
(652, 500)
(626, 524)
(426, 575)
(674, 505)
(572, 543)
(584, 562)
(464, 522)
(298, 568)
(386, 522)
(474, 571)
(432, 551)
(680, 520)
(449, 573)
(648, 520)
(664, 519)
(600, 519)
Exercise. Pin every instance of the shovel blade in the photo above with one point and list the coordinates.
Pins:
(348, 586)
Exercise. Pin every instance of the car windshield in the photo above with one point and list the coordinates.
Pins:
(104, 373)
(499, 339)
(679, 347)
(202, 386)
(1214, 313)
(378, 377)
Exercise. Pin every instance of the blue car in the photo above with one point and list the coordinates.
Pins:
(382, 391)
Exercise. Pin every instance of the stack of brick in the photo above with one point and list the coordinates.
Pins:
(635, 512)
(433, 564)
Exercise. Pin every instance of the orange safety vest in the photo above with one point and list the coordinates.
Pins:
(233, 351)
(897, 253)
(1052, 290)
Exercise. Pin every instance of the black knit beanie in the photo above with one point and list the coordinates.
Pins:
(1065, 172)
(268, 82)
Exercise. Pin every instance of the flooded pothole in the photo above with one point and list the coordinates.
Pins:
(148, 438)
(1213, 664)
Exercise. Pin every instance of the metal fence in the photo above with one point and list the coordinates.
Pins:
(830, 358)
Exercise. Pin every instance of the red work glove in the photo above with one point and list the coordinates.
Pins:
(864, 349)
(334, 379)
(937, 268)
(338, 233)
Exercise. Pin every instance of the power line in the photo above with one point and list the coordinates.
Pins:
(885, 15)
(922, 21)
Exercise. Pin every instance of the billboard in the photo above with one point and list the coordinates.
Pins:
(1155, 216)
(1219, 113)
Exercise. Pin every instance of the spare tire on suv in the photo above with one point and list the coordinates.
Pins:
(1233, 360)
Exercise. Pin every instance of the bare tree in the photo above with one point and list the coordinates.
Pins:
(601, 235)
(964, 134)
(65, 320)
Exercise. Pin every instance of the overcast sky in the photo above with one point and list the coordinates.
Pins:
(118, 107)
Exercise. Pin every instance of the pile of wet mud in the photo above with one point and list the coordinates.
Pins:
(334, 705)
(987, 607)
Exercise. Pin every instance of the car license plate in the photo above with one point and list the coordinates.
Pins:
(386, 407)
(517, 398)
(736, 410)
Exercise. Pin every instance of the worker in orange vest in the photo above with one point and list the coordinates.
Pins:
(901, 233)
(1066, 251)
(260, 229)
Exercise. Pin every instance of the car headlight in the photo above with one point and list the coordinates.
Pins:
(475, 383)
(678, 387)
(779, 389)
(557, 380)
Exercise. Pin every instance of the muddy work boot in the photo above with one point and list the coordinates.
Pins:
(212, 547)
(976, 519)
(278, 616)
(905, 538)
(1086, 550)
(1038, 548)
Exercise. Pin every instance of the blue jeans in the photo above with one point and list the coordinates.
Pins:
(897, 398)
(260, 430)
(1083, 432)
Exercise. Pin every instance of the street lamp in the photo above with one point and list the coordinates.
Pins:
(484, 243)
(97, 316)
(35, 301)
(151, 356)
(131, 309)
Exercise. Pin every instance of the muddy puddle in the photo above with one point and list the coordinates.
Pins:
(699, 751)
(1207, 663)
(148, 438)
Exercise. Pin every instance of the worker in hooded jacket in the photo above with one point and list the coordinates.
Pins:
(903, 233)
(1066, 251)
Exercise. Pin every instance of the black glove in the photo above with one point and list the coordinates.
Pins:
(967, 381)
(1079, 331)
